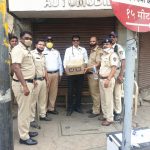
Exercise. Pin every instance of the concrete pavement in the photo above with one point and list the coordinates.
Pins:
(77, 132)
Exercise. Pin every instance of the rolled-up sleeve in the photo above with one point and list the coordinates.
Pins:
(16, 55)
(85, 56)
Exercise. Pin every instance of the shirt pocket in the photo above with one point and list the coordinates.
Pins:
(107, 62)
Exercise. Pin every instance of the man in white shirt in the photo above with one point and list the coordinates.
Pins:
(119, 76)
(55, 71)
(75, 82)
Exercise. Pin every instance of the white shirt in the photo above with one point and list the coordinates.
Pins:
(73, 52)
(53, 60)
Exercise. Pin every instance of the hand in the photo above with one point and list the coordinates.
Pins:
(26, 90)
(35, 83)
(85, 70)
(120, 79)
(106, 83)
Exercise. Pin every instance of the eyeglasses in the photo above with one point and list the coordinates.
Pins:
(75, 40)
(27, 38)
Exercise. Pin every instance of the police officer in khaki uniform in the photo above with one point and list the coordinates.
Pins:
(23, 84)
(119, 76)
(94, 63)
(41, 78)
(109, 62)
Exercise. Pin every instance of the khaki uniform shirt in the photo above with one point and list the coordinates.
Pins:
(107, 61)
(95, 56)
(120, 52)
(21, 55)
(39, 61)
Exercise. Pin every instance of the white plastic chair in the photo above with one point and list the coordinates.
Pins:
(135, 96)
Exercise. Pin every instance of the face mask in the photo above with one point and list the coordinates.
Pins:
(28, 43)
(40, 50)
(49, 45)
(107, 49)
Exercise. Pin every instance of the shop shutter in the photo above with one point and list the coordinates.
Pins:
(63, 29)
(144, 61)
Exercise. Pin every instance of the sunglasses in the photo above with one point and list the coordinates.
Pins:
(27, 38)
(75, 40)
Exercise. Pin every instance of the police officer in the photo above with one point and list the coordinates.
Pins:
(109, 62)
(119, 76)
(41, 80)
(23, 84)
(94, 63)
(13, 41)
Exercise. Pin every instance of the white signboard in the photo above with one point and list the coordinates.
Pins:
(52, 5)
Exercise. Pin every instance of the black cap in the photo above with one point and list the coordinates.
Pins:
(114, 34)
(49, 38)
(107, 40)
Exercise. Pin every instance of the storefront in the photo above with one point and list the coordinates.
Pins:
(63, 18)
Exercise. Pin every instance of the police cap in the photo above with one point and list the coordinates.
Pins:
(113, 34)
(106, 40)
(49, 39)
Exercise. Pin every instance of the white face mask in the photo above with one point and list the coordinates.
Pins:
(107, 50)
(28, 43)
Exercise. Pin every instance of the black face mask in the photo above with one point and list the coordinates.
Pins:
(40, 50)
(93, 45)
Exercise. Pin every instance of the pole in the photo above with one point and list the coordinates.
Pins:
(128, 86)
(6, 127)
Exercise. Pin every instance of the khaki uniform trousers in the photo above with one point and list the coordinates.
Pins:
(52, 90)
(24, 108)
(95, 93)
(117, 95)
(117, 98)
(40, 98)
(107, 99)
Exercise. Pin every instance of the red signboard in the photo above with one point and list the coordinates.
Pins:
(133, 14)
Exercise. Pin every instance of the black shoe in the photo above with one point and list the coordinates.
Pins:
(54, 112)
(90, 111)
(117, 117)
(68, 113)
(33, 134)
(45, 118)
(34, 124)
(28, 142)
(93, 115)
(79, 111)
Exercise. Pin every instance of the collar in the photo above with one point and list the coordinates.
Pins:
(46, 49)
(79, 47)
(24, 47)
(36, 52)
(95, 48)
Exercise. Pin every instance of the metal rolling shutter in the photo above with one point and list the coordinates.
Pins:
(144, 61)
(63, 29)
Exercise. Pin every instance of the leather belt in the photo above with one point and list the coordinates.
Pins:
(27, 80)
(40, 78)
(89, 73)
(52, 71)
(103, 77)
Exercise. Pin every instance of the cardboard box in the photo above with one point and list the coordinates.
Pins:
(75, 70)
(75, 66)
(140, 140)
